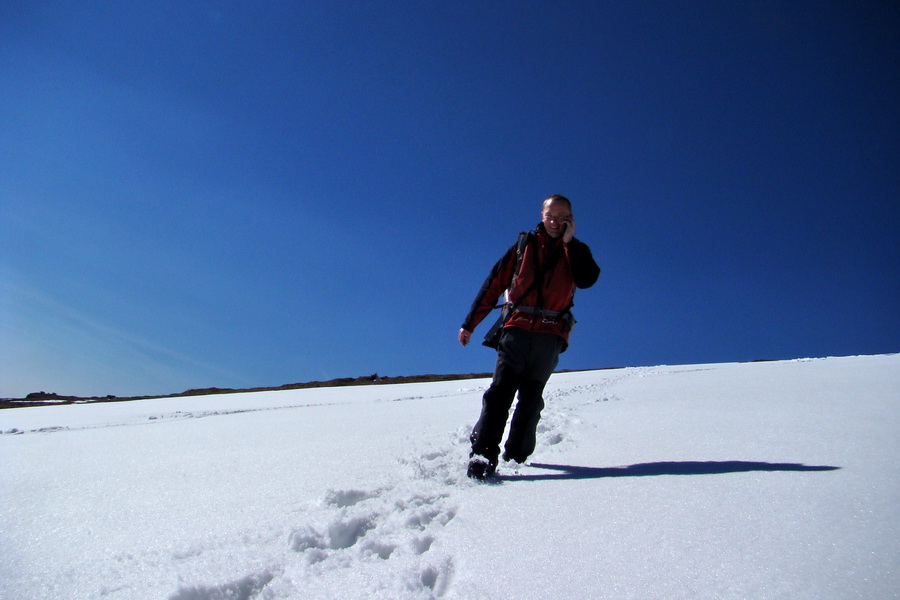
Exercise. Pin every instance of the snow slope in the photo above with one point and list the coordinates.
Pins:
(762, 480)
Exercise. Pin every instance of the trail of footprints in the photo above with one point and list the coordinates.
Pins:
(355, 532)
(386, 537)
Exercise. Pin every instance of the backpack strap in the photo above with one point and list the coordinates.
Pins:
(521, 243)
(492, 337)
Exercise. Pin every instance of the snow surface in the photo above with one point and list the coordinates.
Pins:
(761, 480)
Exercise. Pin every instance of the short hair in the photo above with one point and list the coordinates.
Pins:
(557, 198)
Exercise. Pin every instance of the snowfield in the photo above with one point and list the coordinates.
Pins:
(758, 480)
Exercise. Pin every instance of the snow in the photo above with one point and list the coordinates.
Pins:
(758, 480)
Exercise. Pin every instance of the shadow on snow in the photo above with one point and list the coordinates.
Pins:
(660, 468)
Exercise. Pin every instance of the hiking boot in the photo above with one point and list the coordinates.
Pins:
(480, 468)
(507, 457)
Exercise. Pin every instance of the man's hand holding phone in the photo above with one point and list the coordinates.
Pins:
(568, 231)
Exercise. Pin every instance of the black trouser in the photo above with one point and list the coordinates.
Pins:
(525, 361)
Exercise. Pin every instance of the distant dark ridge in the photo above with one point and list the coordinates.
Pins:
(52, 399)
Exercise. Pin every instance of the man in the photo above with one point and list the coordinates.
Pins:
(539, 277)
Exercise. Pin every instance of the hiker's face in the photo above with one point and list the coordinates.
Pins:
(556, 217)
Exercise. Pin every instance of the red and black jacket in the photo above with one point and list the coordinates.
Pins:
(560, 268)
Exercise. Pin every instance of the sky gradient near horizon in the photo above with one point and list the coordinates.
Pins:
(239, 194)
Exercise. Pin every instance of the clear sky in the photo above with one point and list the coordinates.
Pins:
(241, 194)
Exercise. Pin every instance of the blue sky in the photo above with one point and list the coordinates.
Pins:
(242, 194)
